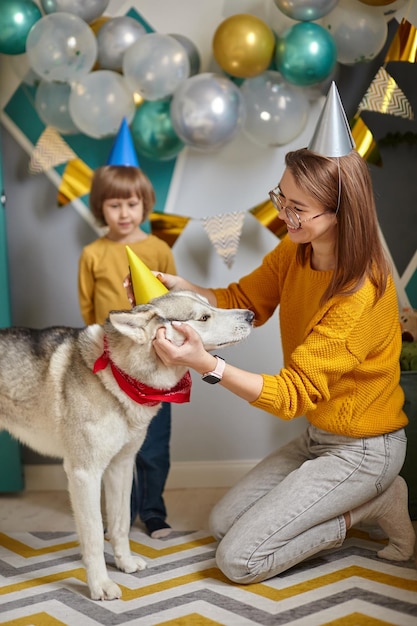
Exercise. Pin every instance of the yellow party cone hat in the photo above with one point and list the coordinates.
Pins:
(145, 285)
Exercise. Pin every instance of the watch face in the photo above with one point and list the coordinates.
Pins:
(211, 378)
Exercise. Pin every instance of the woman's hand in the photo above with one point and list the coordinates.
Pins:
(191, 353)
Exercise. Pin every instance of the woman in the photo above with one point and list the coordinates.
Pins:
(341, 344)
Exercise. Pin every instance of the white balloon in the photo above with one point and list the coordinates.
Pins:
(276, 112)
(99, 102)
(61, 47)
(155, 66)
(51, 104)
(358, 30)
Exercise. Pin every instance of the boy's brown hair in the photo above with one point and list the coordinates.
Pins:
(120, 181)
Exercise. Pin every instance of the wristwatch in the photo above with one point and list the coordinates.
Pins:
(216, 375)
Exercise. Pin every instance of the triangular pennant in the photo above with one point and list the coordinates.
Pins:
(168, 227)
(384, 96)
(75, 181)
(365, 142)
(50, 150)
(404, 44)
(268, 216)
(224, 233)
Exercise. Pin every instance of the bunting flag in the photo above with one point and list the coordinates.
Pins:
(384, 96)
(50, 150)
(224, 233)
(404, 44)
(167, 226)
(75, 183)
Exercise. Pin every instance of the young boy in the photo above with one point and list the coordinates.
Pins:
(122, 198)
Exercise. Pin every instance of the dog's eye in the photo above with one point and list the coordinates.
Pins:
(204, 318)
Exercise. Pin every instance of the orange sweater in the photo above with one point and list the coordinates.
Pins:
(341, 360)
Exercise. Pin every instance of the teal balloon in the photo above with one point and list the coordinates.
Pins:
(16, 19)
(152, 131)
(305, 54)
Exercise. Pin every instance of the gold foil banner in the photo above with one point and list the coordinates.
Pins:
(267, 215)
(365, 142)
(76, 181)
(384, 96)
(404, 44)
(167, 226)
(50, 150)
(224, 232)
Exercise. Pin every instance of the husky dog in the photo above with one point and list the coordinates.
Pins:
(88, 395)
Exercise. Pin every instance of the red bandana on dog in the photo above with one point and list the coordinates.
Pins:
(140, 393)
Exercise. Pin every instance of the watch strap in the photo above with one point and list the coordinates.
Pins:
(215, 375)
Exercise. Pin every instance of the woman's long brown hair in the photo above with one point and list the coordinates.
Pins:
(359, 252)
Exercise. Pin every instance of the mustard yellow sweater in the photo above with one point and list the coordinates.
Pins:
(341, 360)
(103, 265)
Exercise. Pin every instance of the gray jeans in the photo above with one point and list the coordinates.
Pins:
(291, 505)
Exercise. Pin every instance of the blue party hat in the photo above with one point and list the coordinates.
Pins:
(123, 150)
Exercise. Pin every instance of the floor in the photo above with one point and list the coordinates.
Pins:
(188, 509)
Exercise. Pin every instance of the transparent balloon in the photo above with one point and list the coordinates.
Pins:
(87, 10)
(61, 47)
(305, 54)
(114, 37)
(99, 102)
(207, 111)
(152, 131)
(16, 19)
(359, 31)
(51, 104)
(155, 66)
(276, 112)
(305, 10)
(243, 45)
(192, 52)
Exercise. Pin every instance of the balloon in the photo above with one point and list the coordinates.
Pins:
(305, 54)
(99, 102)
(192, 53)
(207, 110)
(276, 112)
(152, 131)
(359, 31)
(243, 45)
(87, 10)
(61, 47)
(19, 63)
(51, 104)
(377, 3)
(389, 10)
(16, 18)
(277, 20)
(114, 38)
(155, 65)
(306, 10)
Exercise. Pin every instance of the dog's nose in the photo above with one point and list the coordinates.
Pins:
(249, 316)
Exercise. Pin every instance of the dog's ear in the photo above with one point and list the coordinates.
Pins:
(133, 323)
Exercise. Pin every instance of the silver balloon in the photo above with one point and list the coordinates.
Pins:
(207, 111)
(155, 65)
(99, 102)
(114, 38)
(87, 10)
(51, 104)
(192, 53)
(305, 10)
(276, 112)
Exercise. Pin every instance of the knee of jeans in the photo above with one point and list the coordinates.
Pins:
(215, 525)
(228, 562)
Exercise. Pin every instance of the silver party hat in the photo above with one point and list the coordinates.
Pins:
(332, 136)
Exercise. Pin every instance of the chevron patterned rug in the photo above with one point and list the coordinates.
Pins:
(42, 583)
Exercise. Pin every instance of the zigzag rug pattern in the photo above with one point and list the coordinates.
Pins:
(42, 583)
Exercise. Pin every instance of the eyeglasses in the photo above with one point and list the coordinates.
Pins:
(292, 216)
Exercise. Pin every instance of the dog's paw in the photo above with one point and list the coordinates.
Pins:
(107, 590)
(130, 564)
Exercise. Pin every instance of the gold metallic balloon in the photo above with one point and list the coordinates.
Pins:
(243, 45)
